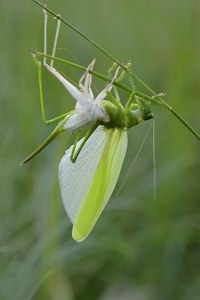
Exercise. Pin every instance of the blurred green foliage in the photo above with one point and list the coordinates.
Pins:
(140, 248)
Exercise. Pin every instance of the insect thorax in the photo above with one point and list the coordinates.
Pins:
(126, 117)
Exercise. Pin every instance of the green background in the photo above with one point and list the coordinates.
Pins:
(140, 248)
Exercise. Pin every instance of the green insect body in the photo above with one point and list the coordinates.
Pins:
(127, 117)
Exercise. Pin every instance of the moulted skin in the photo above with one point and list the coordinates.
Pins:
(88, 109)
(91, 110)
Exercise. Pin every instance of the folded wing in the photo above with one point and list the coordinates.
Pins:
(87, 184)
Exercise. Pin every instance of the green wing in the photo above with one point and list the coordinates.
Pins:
(102, 184)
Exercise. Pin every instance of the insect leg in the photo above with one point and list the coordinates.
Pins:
(111, 72)
(45, 35)
(58, 129)
(88, 79)
(55, 40)
(39, 68)
(75, 144)
(75, 153)
(44, 120)
(130, 77)
(144, 108)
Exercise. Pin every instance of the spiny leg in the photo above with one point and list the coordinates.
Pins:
(132, 95)
(129, 75)
(111, 72)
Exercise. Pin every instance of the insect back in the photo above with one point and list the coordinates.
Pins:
(134, 112)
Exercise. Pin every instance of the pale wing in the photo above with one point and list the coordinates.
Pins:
(103, 182)
(75, 178)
